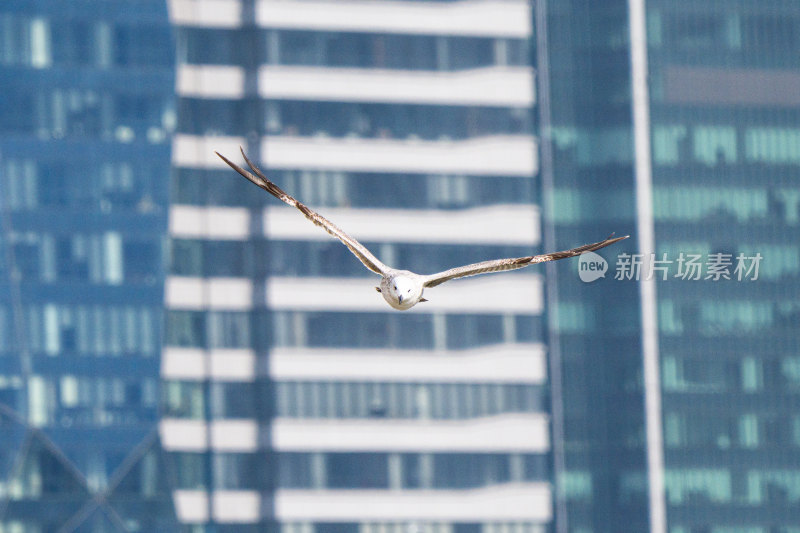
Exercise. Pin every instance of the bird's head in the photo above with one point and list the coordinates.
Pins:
(401, 292)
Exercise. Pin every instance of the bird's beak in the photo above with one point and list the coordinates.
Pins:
(400, 298)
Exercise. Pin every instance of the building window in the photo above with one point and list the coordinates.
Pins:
(700, 484)
(715, 145)
(405, 400)
(775, 146)
(186, 329)
(357, 470)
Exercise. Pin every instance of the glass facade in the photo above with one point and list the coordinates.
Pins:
(340, 414)
(85, 118)
(725, 117)
(593, 328)
(287, 396)
(723, 111)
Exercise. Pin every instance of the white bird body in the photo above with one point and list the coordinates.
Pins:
(403, 289)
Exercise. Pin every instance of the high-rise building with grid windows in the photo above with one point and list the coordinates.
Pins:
(678, 122)
(294, 396)
(594, 332)
(669, 403)
(724, 120)
(86, 111)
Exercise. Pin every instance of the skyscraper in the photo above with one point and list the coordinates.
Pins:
(683, 121)
(724, 117)
(295, 397)
(594, 328)
(85, 121)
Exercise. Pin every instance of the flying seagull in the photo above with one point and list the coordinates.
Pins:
(402, 289)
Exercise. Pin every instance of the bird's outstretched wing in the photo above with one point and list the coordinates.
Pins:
(358, 249)
(499, 265)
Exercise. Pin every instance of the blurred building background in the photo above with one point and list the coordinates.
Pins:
(724, 124)
(696, 152)
(86, 112)
(295, 397)
(594, 329)
(439, 133)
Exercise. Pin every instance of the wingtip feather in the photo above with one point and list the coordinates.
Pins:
(258, 179)
(607, 242)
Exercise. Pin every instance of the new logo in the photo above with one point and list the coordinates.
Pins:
(591, 267)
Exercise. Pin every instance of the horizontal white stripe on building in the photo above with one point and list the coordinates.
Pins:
(506, 363)
(489, 294)
(509, 433)
(192, 364)
(485, 18)
(210, 81)
(495, 18)
(529, 502)
(503, 363)
(206, 13)
(480, 18)
(191, 506)
(214, 223)
(499, 155)
(235, 435)
(503, 503)
(231, 435)
(184, 435)
(237, 506)
(197, 151)
(228, 506)
(516, 225)
(497, 86)
(183, 364)
(493, 293)
(493, 86)
(224, 294)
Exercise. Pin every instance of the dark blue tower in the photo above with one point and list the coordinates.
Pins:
(85, 121)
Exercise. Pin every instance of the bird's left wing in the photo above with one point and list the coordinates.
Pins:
(499, 265)
(358, 249)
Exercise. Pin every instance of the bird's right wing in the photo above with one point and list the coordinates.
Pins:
(512, 263)
(358, 249)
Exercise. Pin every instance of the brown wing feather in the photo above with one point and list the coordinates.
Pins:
(512, 263)
(359, 250)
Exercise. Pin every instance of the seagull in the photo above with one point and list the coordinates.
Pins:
(403, 289)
